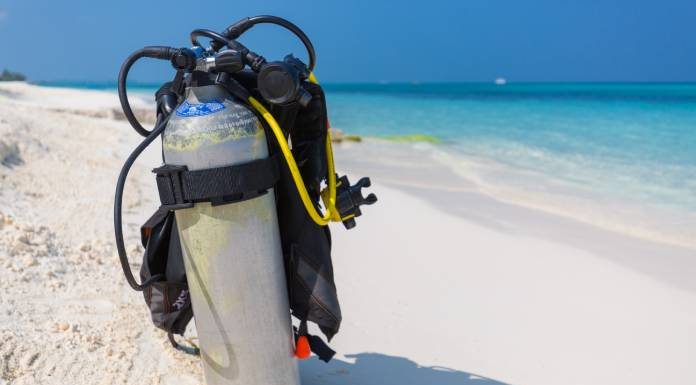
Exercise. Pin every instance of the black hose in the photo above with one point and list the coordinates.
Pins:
(155, 52)
(237, 29)
(118, 202)
(209, 34)
(123, 95)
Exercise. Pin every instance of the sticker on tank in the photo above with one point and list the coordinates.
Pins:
(187, 109)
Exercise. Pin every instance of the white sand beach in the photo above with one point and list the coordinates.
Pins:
(478, 291)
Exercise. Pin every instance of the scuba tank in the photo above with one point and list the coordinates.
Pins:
(239, 242)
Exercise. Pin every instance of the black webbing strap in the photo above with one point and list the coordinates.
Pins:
(316, 344)
(192, 350)
(180, 188)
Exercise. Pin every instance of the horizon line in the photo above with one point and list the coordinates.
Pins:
(396, 82)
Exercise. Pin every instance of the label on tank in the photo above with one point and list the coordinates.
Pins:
(187, 109)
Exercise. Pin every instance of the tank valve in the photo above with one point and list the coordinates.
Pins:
(349, 199)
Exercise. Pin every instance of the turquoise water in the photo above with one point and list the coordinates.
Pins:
(633, 142)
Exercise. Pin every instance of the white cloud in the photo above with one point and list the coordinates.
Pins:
(3, 14)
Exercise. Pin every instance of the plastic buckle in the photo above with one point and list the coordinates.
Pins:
(349, 199)
(171, 187)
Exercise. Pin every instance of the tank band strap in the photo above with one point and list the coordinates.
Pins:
(181, 188)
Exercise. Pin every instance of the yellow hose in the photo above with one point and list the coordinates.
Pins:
(330, 200)
(317, 217)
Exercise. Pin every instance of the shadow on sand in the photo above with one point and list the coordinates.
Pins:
(380, 369)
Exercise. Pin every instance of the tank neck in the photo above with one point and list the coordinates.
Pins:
(205, 94)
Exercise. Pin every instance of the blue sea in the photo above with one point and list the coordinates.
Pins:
(632, 139)
(623, 143)
(618, 155)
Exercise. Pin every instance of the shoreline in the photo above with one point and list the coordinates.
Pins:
(451, 194)
(589, 212)
(626, 219)
(537, 192)
(615, 211)
(438, 273)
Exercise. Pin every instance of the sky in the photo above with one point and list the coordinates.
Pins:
(369, 41)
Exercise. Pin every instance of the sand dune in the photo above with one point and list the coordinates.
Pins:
(439, 283)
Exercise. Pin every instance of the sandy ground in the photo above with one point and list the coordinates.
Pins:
(439, 283)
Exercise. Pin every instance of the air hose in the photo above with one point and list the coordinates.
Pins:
(331, 212)
(151, 52)
(181, 58)
(237, 29)
(118, 203)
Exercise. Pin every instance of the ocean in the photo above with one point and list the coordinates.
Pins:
(621, 155)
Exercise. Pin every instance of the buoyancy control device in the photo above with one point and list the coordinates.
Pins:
(240, 241)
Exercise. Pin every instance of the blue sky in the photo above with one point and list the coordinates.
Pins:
(360, 40)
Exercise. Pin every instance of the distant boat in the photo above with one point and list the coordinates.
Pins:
(501, 81)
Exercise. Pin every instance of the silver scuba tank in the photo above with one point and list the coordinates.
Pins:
(232, 252)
